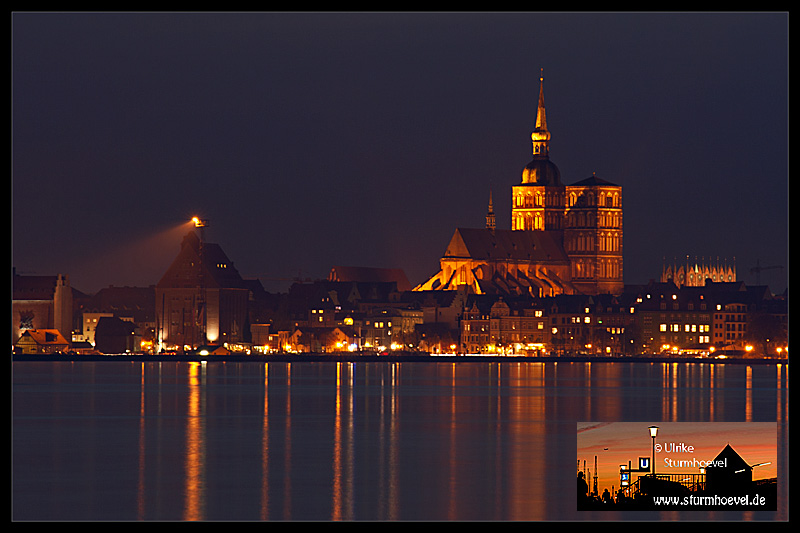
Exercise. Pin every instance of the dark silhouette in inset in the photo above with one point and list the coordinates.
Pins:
(583, 491)
(727, 485)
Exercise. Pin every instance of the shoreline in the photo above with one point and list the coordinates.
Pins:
(393, 358)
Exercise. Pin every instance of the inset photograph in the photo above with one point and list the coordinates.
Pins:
(686, 466)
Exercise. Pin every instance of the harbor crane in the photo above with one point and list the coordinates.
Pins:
(758, 269)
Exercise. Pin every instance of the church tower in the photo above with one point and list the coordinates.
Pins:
(538, 202)
(491, 223)
(585, 216)
(564, 239)
(593, 235)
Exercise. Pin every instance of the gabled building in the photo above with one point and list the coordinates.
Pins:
(201, 299)
(503, 262)
(728, 473)
(41, 341)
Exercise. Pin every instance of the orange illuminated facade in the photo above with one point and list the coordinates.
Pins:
(694, 274)
(564, 239)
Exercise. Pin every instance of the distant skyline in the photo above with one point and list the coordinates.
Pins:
(365, 139)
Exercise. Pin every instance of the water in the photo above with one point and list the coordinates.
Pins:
(174, 441)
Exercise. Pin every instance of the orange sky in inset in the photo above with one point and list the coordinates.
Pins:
(616, 443)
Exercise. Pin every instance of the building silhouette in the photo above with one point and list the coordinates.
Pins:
(201, 299)
(729, 473)
(564, 239)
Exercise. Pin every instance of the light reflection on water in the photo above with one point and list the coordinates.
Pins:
(347, 441)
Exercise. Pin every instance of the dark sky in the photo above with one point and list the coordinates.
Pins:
(310, 140)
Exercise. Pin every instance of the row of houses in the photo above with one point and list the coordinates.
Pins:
(655, 318)
(347, 315)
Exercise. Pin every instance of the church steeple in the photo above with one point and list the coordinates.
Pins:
(490, 220)
(540, 135)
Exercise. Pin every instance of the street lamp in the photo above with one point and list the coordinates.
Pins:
(201, 224)
(653, 433)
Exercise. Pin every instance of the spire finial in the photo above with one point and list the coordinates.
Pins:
(540, 135)
(490, 219)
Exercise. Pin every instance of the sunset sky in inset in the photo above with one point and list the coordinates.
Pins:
(616, 443)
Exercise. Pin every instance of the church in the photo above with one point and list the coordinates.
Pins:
(564, 239)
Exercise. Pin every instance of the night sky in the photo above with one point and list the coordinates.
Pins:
(310, 140)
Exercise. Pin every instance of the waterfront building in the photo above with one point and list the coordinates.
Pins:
(41, 303)
(564, 239)
(115, 335)
(674, 320)
(201, 299)
(132, 304)
(322, 339)
(41, 341)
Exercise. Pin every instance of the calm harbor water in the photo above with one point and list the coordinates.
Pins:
(421, 441)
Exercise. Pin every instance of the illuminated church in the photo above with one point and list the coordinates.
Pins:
(564, 239)
(697, 274)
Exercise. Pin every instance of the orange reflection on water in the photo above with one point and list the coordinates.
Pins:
(342, 489)
(264, 507)
(195, 448)
(140, 487)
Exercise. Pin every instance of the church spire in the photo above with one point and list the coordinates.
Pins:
(490, 220)
(540, 135)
